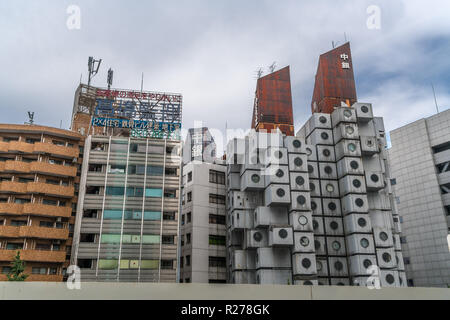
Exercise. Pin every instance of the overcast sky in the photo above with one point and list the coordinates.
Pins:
(209, 51)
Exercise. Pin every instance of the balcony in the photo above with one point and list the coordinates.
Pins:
(59, 151)
(33, 232)
(53, 169)
(11, 208)
(43, 210)
(34, 255)
(20, 146)
(15, 166)
(38, 277)
(50, 189)
(13, 187)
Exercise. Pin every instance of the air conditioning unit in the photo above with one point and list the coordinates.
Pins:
(304, 264)
(369, 145)
(299, 181)
(374, 181)
(399, 260)
(311, 153)
(281, 277)
(349, 165)
(333, 226)
(343, 114)
(314, 187)
(281, 236)
(322, 267)
(252, 180)
(320, 136)
(277, 194)
(336, 246)
(327, 170)
(239, 260)
(318, 226)
(352, 184)
(386, 258)
(397, 243)
(236, 151)
(320, 245)
(346, 131)
(360, 264)
(303, 242)
(266, 216)
(319, 120)
(331, 207)
(301, 221)
(275, 156)
(360, 244)
(348, 148)
(241, 219)
(326, 153)
(309, 282)
(355, 203)
(277, 174)
(341, 282)
(243, 277)
(298, 162)
(234, 181)
(383, 238)
(300, 201)
(364, 111)
(338, 266)
(357, 223)
(329, 188)
(268, 258)
(389, 279)
(295, 144)
(402, 281)
(256, 238)
(379, 201)
(316, 206)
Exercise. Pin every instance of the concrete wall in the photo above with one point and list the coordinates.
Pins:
(192, 291)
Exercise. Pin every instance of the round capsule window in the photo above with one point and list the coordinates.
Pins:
(390, 279)
(296, 143)
(319, 265)
(300, 181)
(326, 152)
(308, 151)
(332, 206)
(310, 169)
(281, 192)
(359, 202)
(367, 263)
(347, 113)
(351, 147)
(356, 183)
(386, 257)
(364, 243)
(338, 266)
(334, 225)
(328, 170)
(369, 143)
(330, 188)
(304, 241)
(298, 162)
(306, 263)
(322, 119)
(374, 178)
(384, 236)
(362, 222)
(280, 173)
(312, 186)
(283, 233)
(313, 205)
(336, 245)
(307, 283)
(364, 109)
(317, 244)
(257, 236)
(302, 220)
(354, 165)
(256, 178)
(324, 135)
(301, 200)
(349, 130)
(278, 154)
(315, 225)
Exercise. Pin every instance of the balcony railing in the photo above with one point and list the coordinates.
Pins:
(34, 232)
(53, 169)
(34, 255)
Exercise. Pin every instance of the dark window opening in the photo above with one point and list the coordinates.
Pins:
(216, 219)
(217, 262)
(216, 199)
(87, 237)
(217, 177)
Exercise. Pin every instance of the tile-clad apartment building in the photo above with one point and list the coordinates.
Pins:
(420, 163)
(39, 177)
(127, 215)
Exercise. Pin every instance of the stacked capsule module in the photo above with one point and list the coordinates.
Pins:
(270, 239)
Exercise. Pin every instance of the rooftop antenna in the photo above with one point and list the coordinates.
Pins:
(110, 78)
(272, 67)
(435, 99)
(30, 118)
(345, 37)
(142, 82)
(93, 66)
(259, 73)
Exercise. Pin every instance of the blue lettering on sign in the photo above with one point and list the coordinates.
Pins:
(138, 125)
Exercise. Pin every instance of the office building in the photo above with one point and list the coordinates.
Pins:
(199, 146)
(420, 163)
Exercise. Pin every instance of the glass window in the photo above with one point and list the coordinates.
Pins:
(190, 176)
(155, 170)
(112, 215)
(169, 216)
(119, 146)
(216, 177)
(149, 264)
(168, 239)
(217, 199)
(216, 219)
(108, 264)
(19, 223)
(50, 202)
(152, 215)
(115, 191)
(150, 239)
(110, 238)
(6, 270)
(14, 246)
(153, 193)
(217, 262)
(116, 168)
(217, 240)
